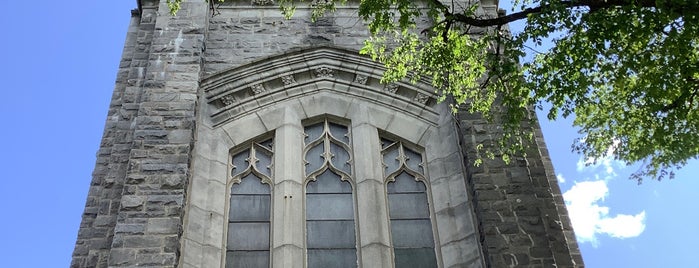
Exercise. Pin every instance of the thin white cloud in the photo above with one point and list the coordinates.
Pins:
(560, 178)
(607, 161)
(590, 218)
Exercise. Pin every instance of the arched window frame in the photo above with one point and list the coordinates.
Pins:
(419, 176)
(327, 137)
(253, 146)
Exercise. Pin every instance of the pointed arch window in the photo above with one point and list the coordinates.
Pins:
(330, 226)
(248, 239)
(409, 213)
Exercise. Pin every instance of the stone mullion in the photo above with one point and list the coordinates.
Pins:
(153, 196)
(374, 231)
(288, 217)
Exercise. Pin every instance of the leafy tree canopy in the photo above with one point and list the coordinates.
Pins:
(628, 70)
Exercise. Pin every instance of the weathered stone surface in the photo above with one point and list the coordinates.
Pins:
(191, 88)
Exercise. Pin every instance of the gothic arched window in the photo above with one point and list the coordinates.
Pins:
(330, 228)
(248, 242)
(411, 225)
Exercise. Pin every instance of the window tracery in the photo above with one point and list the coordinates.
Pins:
(330, 224)
(248, 236)
(408, 204)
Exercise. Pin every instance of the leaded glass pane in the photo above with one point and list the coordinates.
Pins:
(314, 157)
(328, 182)
(339, 132)
(332, 258)
(329, 206)
(408, 206)
(264, 162)
(340, 158)
(412, 233)
(250, 184)
(247, 259)
(405, 183)
(249, 208)
(248, 236)
(313, 132)
(330, 234)
(414, 160)
(390, 159)
(411, 226)
(415, 258)
(240, 162)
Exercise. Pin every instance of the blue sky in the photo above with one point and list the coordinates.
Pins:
(60, 60)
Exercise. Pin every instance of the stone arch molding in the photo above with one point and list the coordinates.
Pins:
(236, 92)
(277, 97)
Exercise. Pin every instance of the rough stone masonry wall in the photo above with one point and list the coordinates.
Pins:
(133, 215)
(523, 219)
(99, 218)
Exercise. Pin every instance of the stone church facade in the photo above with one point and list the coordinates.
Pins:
(237, 138)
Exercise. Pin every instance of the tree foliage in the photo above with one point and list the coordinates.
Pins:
(627, 70)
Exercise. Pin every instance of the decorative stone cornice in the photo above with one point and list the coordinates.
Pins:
(239, 91)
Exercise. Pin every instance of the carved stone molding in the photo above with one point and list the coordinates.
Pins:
(257, 89)
(288, 80)
(228, 100)
(391, 88)
(361, 79)
(421, 98)
(262, 2)
(324, 72)
(306, 72)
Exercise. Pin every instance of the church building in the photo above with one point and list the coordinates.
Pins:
(238, 138)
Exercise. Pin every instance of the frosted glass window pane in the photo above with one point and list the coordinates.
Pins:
(314, 157)
(329, 207)
(405, 183)
(313, 132)
(339, 132)
(332, 258)
(415, 257)
(414, 160)
(248, 236)
(249, 208)
(328, 182)
(247, 259)
(330, 234)
(412, 233)
(264, 162)
(250, 184)
(240, 162)
(340, 158)
(408, 206)
(390, 159)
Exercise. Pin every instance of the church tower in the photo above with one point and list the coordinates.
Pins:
(237, 138)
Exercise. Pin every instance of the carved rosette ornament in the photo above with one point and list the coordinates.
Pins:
(391, 88)
(288, 80)
(228, 100)
(257, 89)
(324, 72)
(421, 98)
(360, 79)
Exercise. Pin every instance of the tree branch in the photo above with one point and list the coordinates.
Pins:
(592, 4)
